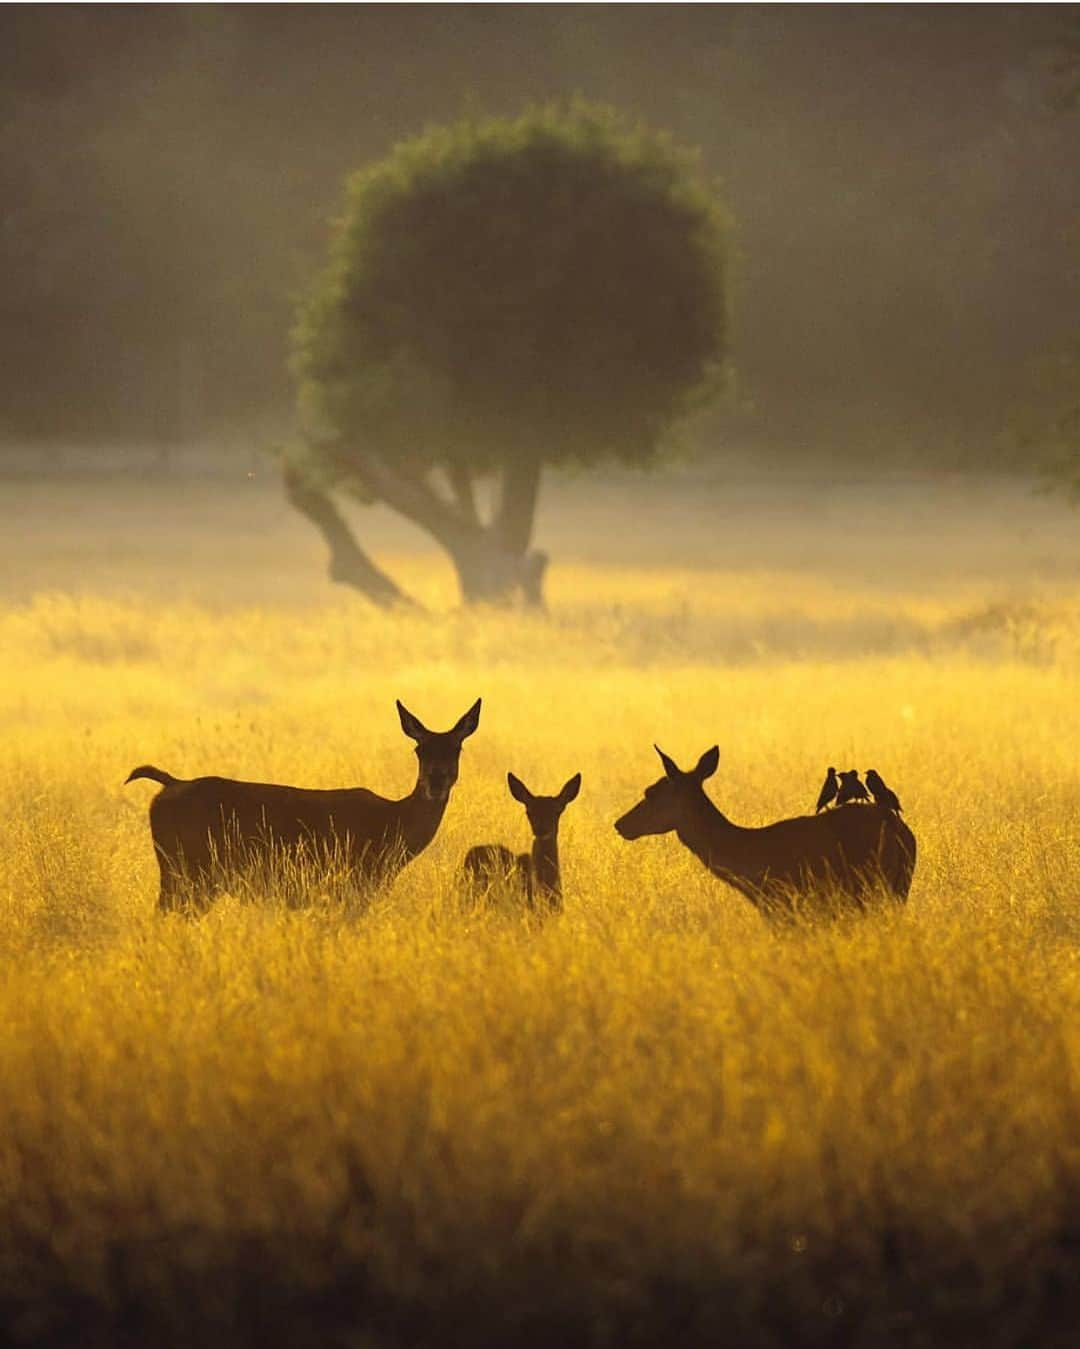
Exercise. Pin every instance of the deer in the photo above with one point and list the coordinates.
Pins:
(847, 854)
(206, 829)
(537, 872)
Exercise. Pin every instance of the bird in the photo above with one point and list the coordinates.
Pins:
(882, 794)
(851, 789)
(829, 788)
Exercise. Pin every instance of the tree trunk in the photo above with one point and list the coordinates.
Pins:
(488, 574)
(494, 563)
(517, 504)
(349, 564)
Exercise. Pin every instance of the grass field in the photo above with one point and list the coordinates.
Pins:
(653, 1121)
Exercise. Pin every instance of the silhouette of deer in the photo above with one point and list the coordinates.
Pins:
(206, 829)
(536, 872)
(846, 853)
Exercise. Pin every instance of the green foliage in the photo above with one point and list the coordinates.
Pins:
(549, 285)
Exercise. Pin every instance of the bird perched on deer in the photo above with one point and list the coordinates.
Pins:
(851, 789)
(841, 856)
(829, 789)
(881, 792)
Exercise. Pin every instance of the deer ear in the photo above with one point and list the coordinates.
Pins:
(413, 727)
(468, 722)
(671, 768)
(518, 790)
(570, 790)
(706, 765)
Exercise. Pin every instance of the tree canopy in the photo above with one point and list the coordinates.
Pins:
(547, 286)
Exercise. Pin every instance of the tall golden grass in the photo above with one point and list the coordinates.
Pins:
(393, 1119)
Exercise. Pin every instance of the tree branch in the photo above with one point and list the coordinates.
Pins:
(349, 564)
(411, 496)
(487, 569)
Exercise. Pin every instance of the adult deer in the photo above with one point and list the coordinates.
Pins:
(536, 872)
(844, 854)
(207, 829)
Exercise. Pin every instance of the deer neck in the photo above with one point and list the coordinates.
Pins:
(713, 839)
(728, 850)
(419, 818)
(546, 877)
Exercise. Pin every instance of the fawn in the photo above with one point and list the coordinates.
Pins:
(536, 872)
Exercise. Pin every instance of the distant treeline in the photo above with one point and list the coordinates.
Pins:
(905, 192)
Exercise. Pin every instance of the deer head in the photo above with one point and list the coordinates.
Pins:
(438, 751)
(667, 803)
(544, 812)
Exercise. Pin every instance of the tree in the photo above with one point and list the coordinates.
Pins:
(502, 294)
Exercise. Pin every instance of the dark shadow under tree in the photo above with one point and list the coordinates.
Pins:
(502, 295)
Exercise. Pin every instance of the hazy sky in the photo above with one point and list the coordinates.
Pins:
(904, 188)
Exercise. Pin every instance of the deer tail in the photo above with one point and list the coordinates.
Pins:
(147, 770)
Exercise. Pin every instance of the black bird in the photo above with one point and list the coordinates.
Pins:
(881, 793)
(829, 789)
(851, 789)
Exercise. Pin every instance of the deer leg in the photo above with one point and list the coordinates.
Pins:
(171, 896)
(186, 887)
(167, 900)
